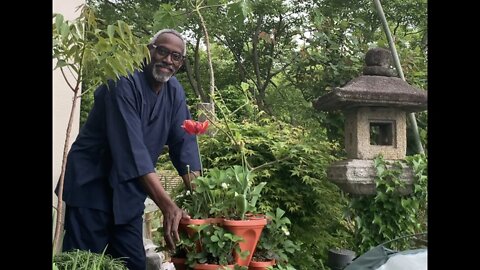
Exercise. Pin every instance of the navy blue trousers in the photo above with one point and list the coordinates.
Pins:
(90, 229)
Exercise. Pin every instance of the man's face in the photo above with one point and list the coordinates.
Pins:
(167, 56)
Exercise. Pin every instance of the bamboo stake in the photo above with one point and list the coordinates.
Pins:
(411, 116)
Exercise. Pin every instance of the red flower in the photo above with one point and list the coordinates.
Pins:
(195, 127)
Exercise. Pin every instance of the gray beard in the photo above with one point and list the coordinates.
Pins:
(160, 77)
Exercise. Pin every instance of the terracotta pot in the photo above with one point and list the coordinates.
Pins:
(251, 216)
(206, 266)
(184, 222)
(250, 230)
(254, 265)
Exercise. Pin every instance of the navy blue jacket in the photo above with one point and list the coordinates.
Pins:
(125, 133)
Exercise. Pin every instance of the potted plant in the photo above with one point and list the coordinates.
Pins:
(242, 199)
(218, 247)
(224, 197)
(274, 245)
(178, 256)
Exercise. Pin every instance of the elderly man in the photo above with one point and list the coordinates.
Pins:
(111, 165)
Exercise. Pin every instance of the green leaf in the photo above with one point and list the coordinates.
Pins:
(121, 70)
(380, 171)
(64, 31)
(120, 29)
(111, 32)
(241, 204)
(244, 86)
(246, 7)
(58, 21)
(318, 18)
(167, 17)
(280, 212)
(60, 63)
(79, 30)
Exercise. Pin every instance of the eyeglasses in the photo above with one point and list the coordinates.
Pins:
(164, 52)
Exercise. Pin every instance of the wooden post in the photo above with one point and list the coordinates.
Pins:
(148, 225)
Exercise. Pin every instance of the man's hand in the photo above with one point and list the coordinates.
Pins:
(171, 212)
(171, 220)
(187, 179)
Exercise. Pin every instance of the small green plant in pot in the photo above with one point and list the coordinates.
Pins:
(274, 243)
(244, 195)
(208, 198)
(178, 256)
(241, 197)
(224, 197)
(224, 193)
(218, 247)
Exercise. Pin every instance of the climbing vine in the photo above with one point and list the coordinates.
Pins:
(390, 213)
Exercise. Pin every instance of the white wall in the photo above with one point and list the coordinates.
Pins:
(62, 99)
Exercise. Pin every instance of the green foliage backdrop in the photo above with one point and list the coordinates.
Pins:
(271, 60)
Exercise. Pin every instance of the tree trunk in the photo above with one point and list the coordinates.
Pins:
(60, 213)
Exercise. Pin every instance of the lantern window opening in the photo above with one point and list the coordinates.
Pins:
(382, 132)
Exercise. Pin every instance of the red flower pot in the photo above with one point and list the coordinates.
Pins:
(206, 266)
(250, 230)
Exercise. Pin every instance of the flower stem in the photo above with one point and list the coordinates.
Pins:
(189, 179)
(199, 156)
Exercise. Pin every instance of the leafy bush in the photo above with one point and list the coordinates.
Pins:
(293, 162)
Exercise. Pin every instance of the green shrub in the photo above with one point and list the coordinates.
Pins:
(388, 214)
(85, 260)
(293, 161)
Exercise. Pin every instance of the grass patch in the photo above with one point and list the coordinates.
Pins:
(86, 260)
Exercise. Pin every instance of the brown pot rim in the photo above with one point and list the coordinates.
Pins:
(246, 222)
(262, 264)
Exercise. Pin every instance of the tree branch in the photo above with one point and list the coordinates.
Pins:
(237, 58)
(66, 80)
(269, 163)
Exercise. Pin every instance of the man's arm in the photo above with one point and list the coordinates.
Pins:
(171, 212)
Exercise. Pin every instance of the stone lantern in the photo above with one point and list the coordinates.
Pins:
(207, 111)
(375, 106)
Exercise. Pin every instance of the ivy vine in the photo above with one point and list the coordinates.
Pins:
(390, 214)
